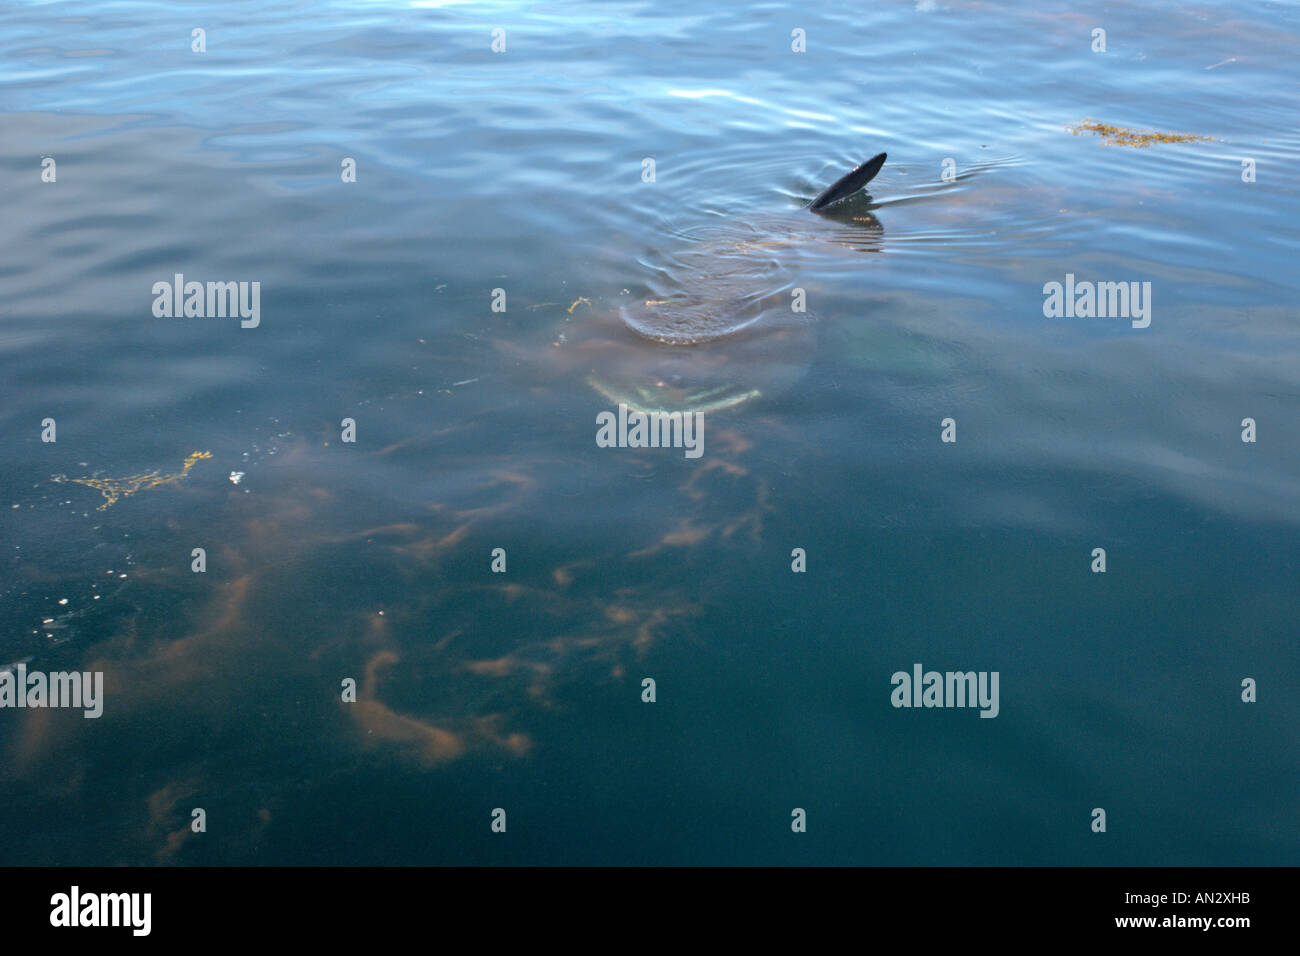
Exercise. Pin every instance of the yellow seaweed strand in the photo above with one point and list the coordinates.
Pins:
(1139, 139)
(114, 488)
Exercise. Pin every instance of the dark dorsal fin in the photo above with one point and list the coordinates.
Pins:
(847, 185)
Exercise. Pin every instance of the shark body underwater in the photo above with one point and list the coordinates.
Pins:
(718, 329)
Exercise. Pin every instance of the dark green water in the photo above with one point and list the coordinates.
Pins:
(523, 171)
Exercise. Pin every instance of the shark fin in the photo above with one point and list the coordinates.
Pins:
(847, 185)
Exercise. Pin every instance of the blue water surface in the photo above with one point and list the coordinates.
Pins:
(524, 169)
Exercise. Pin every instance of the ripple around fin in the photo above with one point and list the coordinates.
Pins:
(691, 325)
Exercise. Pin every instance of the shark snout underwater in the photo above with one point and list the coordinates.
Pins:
(720, 327)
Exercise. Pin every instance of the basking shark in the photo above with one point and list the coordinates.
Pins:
(720, 327)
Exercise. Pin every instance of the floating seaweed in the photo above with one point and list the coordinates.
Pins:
(114, 488)
(1140, 139)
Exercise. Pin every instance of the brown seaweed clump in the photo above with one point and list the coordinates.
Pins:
(1140, 139)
